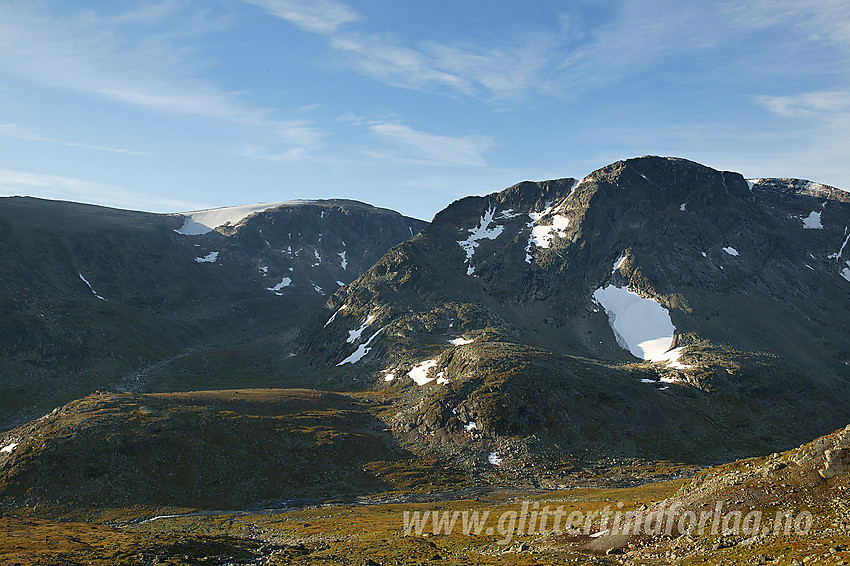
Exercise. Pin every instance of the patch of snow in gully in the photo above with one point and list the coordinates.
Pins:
(361, 350)
(419, 373)
(618, 264)
(211, 257)
(642, 326)
(541, 236)
(285, 282)
(480, 232)
(354, 335)
(812, 221)
(90, 287)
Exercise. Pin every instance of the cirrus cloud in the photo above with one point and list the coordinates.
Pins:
(465, 151)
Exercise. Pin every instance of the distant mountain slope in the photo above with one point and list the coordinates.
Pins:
(215, 449)
(91, 293)
(735, 290)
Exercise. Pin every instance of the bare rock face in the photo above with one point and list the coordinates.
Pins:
(835, 462)
(832, 452)
(836, 459)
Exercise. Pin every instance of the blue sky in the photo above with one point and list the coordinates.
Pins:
(177, 105)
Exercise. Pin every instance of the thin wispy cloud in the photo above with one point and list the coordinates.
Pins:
(264, 153)
(20, 183)
(827, 105)
(93, 55)
(565, 58)
(467, 151)
(301, 140)
(18, 132)
(820, 20)
(474, 69)
(300, 133)
(317, 16)
(397, 65)
(817, 137)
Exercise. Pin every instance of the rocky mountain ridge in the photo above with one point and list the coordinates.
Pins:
(655, 296)
(91, 293)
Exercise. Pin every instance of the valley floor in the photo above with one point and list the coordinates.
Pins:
(382, 530)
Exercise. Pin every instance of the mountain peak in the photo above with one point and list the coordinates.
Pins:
(655, 267)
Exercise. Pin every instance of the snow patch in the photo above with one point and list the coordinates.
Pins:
(618, 264)
(343, 262)
(333, 316)
(192, 228)
(508, 213)
(419, 373)
(318, 289)
(641, 326)
(541, 236)
(203, 221)
(812, 221)
(672, 359)
(441, 380)
(318, 258)
(90, 287)
(682, 206)
(845, 273)
(844, 245)
(340, 283)
(361, 350)
(461, 341)
(480, 232)
(731, 251)
(469, 427)
(211, 257)
(285, 282)
(9, 447)
(389, 374)
(495, 459)
(354, 335)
